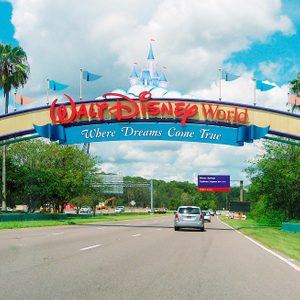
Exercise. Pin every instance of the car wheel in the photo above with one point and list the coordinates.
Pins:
(176, 228)
(202, 229)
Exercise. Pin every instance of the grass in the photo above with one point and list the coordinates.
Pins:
(75, 220)
(270, 235)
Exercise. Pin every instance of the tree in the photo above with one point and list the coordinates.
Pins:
(50, 173)
(275, 182)
(14, 72)
(295, 89)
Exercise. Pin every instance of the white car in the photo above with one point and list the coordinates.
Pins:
(207, 216)
(189, 217)
(120, 209)
(85, 210)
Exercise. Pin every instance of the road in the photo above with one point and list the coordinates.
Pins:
(140, 259)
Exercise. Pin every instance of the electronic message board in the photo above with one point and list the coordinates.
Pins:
(213, 183)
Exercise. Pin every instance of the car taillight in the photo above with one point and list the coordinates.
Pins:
(201, 217)
(176, 216)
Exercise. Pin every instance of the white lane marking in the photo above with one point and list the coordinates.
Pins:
(56, 233)
(158, 229)
(99, 228)
(135, 235)
(287, 261)
(90, 247)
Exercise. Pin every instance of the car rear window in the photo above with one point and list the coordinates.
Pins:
(189, 210)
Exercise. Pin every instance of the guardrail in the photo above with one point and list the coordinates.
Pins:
(31, 217)
(291, 227)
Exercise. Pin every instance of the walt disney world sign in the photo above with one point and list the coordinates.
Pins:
(118, 117)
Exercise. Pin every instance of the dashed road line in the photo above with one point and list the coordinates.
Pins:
(90, 247)
(135, 235)
(56, 233)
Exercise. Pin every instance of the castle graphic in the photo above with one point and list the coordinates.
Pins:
(150, 76)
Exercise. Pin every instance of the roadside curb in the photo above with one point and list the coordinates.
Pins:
(287, 261)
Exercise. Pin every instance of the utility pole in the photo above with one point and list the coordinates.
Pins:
(3, 178)
(241, 191)
(151, 196)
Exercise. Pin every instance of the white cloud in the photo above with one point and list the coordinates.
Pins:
(193, 38)
(270, 69)
(184, 161)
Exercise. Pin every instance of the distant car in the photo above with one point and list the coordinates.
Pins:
(8, 209)
(120, 209)
(207, 216)
(189, 217)
(211, 212)
(158, 210)
(218, 213)
(85, 210)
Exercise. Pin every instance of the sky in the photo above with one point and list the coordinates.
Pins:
(254, 39)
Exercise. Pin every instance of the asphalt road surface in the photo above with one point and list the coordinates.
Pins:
(140, 259)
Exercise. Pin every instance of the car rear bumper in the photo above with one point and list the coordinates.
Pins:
(181, 224)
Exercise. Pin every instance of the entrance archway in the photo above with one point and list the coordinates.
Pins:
(118, 117)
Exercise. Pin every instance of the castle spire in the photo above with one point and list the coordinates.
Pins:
(133, 77)
(150, 53)
(151, 61)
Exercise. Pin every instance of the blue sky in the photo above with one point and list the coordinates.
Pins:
(278, 48)
(257, 38)
(6, 27)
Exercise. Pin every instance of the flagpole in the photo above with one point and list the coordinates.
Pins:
(86, 146)
(15, 95)
(220, 82)
(48, 91)
(287, 104)
(80, 85)
(254, 99)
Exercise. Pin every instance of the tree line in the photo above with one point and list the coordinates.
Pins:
(174, 193)
(40, 174)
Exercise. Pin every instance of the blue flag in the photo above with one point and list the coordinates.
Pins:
(89, 76)
(56, 86)
(263, 86)
(229, 77)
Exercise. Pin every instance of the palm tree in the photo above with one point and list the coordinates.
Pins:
(295, 89)
(14, 72)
